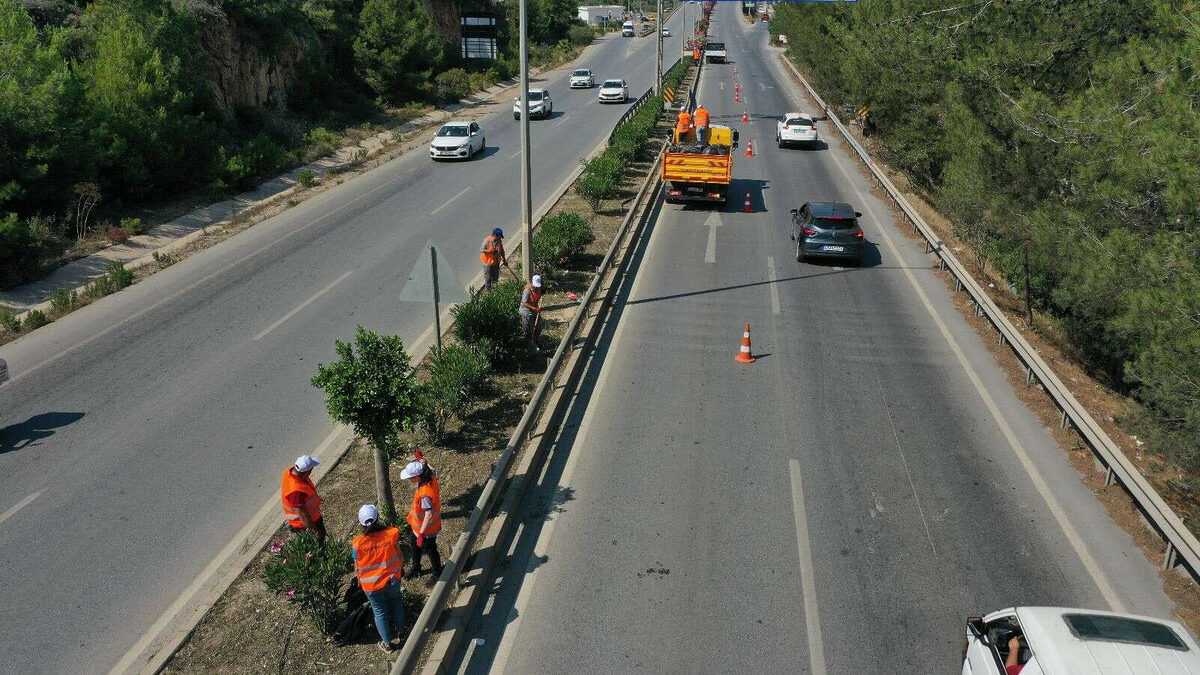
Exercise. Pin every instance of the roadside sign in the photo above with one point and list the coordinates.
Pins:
(863, 112)
(418, 287)
(668, 95)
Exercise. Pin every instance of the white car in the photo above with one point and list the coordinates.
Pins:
(1058, 641)
(796, 127)
(540, 104)
(458, 140)
(666, 32)
(582, 78)
(614, 91)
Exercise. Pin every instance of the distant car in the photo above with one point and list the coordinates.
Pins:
(540, 104)
(582, 78)
(458, 140)
(796, 127)
(614, 91)
(1057, 641)
(827, 230)
(666, 32)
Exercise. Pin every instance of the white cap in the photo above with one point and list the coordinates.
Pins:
(306, 463)
(412, 469)
(367, 514)
(537, 281)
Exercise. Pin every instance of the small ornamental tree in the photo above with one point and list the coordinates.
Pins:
(371, 388)
(310, 574)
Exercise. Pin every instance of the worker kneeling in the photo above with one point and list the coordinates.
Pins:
(682, 124)
(379, 566)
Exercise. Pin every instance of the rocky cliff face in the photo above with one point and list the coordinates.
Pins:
(241, 72)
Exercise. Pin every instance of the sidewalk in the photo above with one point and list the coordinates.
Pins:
(138, 250)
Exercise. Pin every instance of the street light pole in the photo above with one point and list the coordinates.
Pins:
(661, 24)
(526, 196)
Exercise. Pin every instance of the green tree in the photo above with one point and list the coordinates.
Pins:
(371, 388)
(396, 49)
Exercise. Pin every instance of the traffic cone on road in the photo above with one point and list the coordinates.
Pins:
(750, 148)
(746, 208)
(744, 354)
(745, 117)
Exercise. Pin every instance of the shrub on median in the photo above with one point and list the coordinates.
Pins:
(456, 376)
(558, 240)
(309, 573)
(600, 179)
(489, 321)
(9, 323)
(35, 319)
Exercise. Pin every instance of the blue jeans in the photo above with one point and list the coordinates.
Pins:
(388, 605)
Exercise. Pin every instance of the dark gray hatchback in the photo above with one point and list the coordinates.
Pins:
(827, 230)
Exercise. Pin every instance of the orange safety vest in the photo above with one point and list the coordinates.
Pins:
(695, 54)
(535, 296)
(416, 514)
(491, 247)
(684, 122)
(312, 501)
(701, 117)
(377, 558)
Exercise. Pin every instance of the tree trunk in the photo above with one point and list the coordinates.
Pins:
(1028, 293)
(383, 485)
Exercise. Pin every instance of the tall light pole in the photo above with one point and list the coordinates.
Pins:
(661, 23)
(526, 197)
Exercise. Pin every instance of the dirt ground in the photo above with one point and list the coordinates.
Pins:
(251, 629)
(1106, 406)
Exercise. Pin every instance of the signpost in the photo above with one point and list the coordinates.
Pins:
(432, 279)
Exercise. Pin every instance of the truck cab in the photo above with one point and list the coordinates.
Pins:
(1064, 641)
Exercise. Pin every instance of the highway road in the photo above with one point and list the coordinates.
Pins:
(143, 431)
(841, 505)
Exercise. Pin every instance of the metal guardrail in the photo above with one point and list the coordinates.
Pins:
(1182, 547)
(435, 604)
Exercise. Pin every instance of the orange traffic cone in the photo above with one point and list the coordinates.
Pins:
(750, 148)
(744, 354)
(737, 96)
(745, 117)
(746, 208)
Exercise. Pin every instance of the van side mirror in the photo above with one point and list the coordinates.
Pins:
(794, 212)
(975, 625)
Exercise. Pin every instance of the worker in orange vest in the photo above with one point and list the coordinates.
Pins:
(683, 123)
(492, 255)
(531, 311)
(301, 503)
(424, 516)
(701, 124)
(379, 565)
(696, 54)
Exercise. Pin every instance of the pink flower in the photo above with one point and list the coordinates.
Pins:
(291, 592)
(285, 561)
(276, 546)
(308, 556)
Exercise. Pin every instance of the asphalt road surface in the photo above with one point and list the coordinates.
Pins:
(140, 433)
(841, 505)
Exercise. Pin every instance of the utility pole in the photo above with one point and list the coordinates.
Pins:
(662, 24)
(526, 195)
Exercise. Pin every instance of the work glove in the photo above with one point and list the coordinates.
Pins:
(420, 541)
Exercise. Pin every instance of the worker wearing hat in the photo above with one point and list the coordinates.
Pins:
(701, 118)
(491, 254)
(379, 565)
(531, 310)
(424, 516)
(301, 503)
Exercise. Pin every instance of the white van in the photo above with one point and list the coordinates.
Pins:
(1061, 641)
(627, 29)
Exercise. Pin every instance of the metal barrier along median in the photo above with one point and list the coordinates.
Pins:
(1182, 547)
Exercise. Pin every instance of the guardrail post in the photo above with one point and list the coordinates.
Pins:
(1171, 557)
(1109, 476)
(957, 285)
(1028, 375)
(1062, 421)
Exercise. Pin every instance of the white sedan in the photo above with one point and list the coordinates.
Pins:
(457, 140)
(582, 78)
(540, 104)
(666, 32)
(614, 91)
(796, 127)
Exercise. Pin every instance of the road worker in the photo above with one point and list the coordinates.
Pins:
(683, 123)
(531, 310)
(379, 565)
(301, 503)
(701, 124)
(424, 516)
(492, 255)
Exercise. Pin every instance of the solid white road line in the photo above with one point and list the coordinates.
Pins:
(710, 253)
(18, 506)
(127, 662)
(773, 285)
(301, 306)
(808, 584)
(1035, 477)
(449, 201)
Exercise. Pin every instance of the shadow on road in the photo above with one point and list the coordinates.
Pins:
(36, 428)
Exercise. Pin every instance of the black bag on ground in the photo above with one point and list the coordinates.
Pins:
(359, 619)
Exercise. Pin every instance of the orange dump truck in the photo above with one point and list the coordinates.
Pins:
(699, 172)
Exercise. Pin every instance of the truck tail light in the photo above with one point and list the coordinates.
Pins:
(675, 193)
(814, 127)
(809, 232)
(859, 234)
